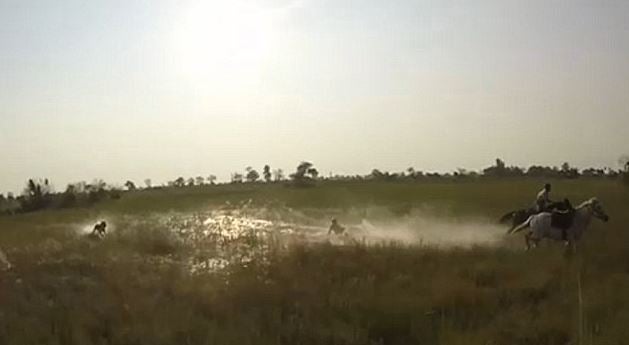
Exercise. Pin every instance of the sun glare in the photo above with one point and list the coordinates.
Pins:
(224, 40)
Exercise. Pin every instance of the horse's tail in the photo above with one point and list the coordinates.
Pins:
(507, 217)
(522, 226)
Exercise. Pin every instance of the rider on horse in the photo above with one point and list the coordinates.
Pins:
(562, 212)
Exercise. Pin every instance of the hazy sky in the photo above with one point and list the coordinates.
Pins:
(123, 89)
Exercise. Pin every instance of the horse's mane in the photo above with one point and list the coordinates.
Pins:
(589, 202)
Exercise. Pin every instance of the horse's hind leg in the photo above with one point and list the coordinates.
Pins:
(570, 251)
(530, 239)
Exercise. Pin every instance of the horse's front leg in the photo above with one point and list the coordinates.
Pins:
(570, 249)
(572, 244)
(535, 241)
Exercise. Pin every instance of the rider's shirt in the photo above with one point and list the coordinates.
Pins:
(543, 195)
(542, 198)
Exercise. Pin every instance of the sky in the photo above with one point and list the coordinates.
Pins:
(135, 89)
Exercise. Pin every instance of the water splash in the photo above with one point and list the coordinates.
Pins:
(240, 234)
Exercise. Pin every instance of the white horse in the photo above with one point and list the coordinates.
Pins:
(540, 224)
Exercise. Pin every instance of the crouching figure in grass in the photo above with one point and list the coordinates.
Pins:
(562, 226)
(100, 230)
(336, 228)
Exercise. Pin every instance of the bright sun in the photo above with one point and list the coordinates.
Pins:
(222, 40)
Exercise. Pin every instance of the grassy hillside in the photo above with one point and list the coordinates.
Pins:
(136, 288)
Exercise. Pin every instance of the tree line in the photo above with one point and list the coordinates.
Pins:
(39, 194)
(498, 170)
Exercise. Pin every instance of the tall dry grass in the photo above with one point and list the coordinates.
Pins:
(135, 287)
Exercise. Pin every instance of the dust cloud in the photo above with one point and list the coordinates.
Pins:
(238, 234)
(368, 226)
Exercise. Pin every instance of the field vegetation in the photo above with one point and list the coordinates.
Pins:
(136, 286)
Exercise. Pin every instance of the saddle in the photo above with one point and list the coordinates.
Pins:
(562, 219)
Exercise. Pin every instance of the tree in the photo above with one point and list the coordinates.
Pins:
(37, 195)
(501, 170)
(179, 182)
(496, 170)
(266, 172)
(37, 187)
(69, 198)
(624, 163)
(130, 185)
(278, 175)
(609, 172)
(500, 164)
(304, 174)
(190, 182)
(302, 169)
(461, 172)
(515, 171)
(411, 172)
(236, 178)
(96, 186)
(376, 174)
(148, 183)
(200, 180)
(96, 191)
(211, 179)
(592, 172)
(252, 174)
(314, 173)
(568, 171)
(541, 171)
(80, 187)
(305, 170)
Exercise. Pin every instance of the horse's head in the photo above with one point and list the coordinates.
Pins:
(596, 208)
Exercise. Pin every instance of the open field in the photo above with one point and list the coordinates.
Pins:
(425, 263)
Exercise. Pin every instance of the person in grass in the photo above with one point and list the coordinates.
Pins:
(336, 228)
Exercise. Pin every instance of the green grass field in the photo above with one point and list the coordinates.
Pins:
(135, 286)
